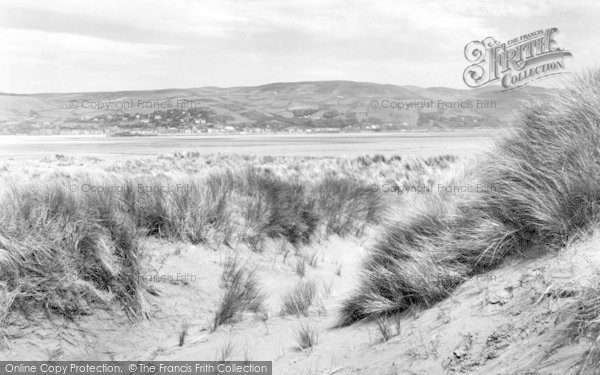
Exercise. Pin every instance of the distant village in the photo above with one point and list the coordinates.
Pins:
(189, 121)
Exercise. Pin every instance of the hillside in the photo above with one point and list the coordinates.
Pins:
(296, 106)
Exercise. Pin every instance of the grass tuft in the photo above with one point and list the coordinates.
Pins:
(306, 337)
(298, 300)
(242, 293)
(540, 185)
(388, 328)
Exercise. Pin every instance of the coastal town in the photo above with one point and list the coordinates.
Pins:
(190, 121)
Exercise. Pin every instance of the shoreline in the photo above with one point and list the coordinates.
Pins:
(406, 133)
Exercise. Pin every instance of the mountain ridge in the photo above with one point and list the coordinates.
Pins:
(338, 104)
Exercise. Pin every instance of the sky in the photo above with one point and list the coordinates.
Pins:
(110, 45)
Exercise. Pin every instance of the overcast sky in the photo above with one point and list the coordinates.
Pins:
(62, 46)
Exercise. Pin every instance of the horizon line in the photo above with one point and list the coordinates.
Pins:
(246, 86)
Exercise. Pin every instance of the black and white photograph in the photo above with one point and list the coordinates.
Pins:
(311, 187)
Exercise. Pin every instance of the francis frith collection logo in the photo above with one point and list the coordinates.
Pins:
(516, 62)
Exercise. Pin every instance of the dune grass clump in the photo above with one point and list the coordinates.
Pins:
(183, 332)
(306, 336)
(291, 212)
(441, 161)
(242, 293)
(189, 209)
(587, 323)
(539, 186)
(216, 207)
(300, 266)
(347, 206)
(388, 327)
(66, 253)
(225, 352)
(299, 299)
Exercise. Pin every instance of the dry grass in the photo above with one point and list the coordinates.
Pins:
(183, 333)
(242, 293)
(347, 206)
(298, 300)
(388, 328)
(66, 252)
(338, 269)
(312, 259)
(306, 337)
(543, 188)
(327, 288)
(247, 354)
(585, 324)
(225, 353)
(300, 266)
(67, 249)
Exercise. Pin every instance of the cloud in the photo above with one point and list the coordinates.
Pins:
(65, 45)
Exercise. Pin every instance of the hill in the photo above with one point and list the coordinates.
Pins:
(294, 106)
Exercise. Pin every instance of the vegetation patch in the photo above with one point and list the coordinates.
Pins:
(545, 189)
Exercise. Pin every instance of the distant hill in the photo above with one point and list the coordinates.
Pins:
(276, 106)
